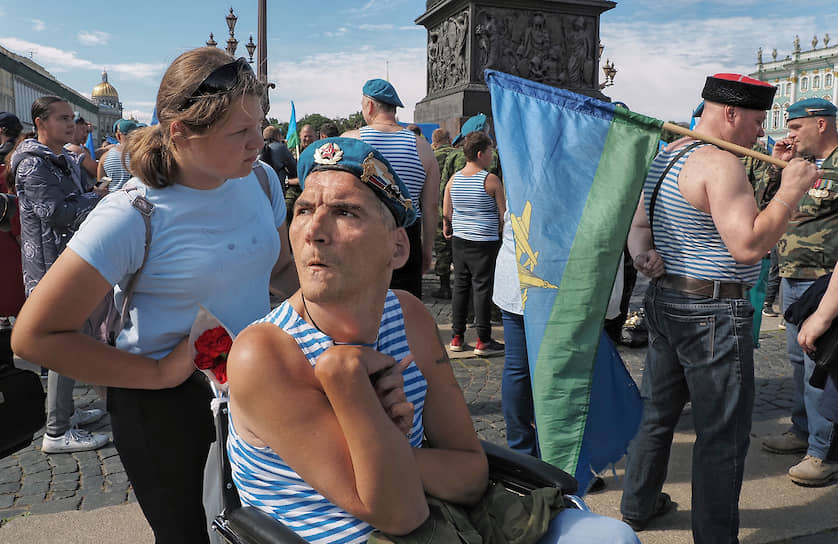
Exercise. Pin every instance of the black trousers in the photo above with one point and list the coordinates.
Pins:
(474, 270)
(409, 277)
(163, 438)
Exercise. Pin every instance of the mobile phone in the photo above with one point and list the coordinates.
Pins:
(104, 181)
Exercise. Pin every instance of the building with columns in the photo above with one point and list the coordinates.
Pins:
(106, 97)
(802, 74)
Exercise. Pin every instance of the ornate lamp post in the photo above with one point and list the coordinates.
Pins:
(610, 71)
(261, 45)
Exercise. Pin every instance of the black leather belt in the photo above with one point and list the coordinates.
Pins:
(706, 288)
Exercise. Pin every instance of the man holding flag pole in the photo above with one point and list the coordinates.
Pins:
(296, 143)
(698, 232)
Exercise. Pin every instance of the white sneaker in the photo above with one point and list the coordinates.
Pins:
(80, 417)
(74, 440)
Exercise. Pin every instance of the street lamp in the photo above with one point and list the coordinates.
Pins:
(610, 71)
(232, 42)
(211, 42)
(251, 47)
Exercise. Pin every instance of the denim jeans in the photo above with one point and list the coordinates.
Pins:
(700, 349)
(806, 420)
(516, 387)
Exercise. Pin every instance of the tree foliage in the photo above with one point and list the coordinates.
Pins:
(316, 120)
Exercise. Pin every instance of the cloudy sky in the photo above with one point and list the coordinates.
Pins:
(320, 53)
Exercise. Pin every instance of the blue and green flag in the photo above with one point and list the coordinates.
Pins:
(292, 140)
(573, 169)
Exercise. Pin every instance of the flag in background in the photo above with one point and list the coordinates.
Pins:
(91, 147)
(573, 170)
(291, 139)
(769, 144)
(154, 120)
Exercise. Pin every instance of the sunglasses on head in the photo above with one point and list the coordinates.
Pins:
(220, 80)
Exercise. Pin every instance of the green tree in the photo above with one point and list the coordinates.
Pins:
(313, 119)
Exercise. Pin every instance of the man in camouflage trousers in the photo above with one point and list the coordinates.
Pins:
(808, 250)
(441, 143)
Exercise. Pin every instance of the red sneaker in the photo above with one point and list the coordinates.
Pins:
(457, 343)
(489, 348)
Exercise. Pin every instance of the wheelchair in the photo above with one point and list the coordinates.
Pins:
(238, 524)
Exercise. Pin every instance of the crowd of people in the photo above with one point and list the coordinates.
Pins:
(345, 415)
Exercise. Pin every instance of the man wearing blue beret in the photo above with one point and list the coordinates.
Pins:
(414, 160)
(346, 415)
(807, 251)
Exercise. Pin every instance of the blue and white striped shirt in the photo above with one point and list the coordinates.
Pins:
(685, 237)
(114, 169)
(475, 214)
(399, 148)
(266, 482)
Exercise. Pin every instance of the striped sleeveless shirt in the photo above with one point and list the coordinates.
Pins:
(266, 482)
(686, 237)
(114, 169)
(399, 148)
(475, 215)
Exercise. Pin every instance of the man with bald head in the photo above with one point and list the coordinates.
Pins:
(292, 185)
(808, 250)
(699, 234)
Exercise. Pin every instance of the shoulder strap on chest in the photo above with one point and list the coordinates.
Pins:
(666, 170)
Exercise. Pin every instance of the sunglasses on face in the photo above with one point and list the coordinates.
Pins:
(220, 80)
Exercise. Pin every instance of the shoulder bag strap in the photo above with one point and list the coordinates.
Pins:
(262, 176)
(145, 208)
(666, 170)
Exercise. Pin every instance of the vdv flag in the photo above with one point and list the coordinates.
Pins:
(769, 144)
(154, 119)
(91, 147)
(292, 140)
(573, 169)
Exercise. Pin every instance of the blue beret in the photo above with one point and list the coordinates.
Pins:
(381, 91)
(368, 164)
(125, 126)
(699, 110)
(474, 124)
(811, 107)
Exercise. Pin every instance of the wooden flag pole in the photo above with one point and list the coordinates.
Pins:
(725, 145)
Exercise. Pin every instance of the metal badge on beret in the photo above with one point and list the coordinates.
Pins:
(329, 153)
(376, 173)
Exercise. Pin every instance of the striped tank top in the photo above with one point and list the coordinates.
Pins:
(399, 148)
(686, 237)
(266, 482)
(475, 211)
(114, 169)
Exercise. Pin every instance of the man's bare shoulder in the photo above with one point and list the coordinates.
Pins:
(262, 351)
(354, 133)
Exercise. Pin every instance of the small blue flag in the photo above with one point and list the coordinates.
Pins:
(769, 143)
(90, 145)
(154, 120)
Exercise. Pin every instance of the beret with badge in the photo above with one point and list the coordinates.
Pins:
(368, 164)
(382, 91)
(476, 123)
(811, 107)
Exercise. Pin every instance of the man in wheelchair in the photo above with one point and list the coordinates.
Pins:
(333, 393)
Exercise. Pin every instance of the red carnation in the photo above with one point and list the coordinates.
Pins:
(212, 348)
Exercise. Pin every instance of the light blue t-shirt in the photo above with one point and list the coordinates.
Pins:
(212, 247)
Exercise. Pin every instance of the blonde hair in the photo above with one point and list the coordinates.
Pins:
(150, 148)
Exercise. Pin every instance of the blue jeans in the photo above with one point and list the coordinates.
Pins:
(580, 527)
(700, 349)
(806, 420)
(516, 387)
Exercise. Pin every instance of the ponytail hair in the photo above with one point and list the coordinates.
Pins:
(151, 150)
(42, 109)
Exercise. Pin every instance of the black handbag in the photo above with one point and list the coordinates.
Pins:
(22, 411)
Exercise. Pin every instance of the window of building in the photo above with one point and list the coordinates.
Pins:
(827, 80)
(804, 83)
(816, 82)
(788, 89)
(775, 118)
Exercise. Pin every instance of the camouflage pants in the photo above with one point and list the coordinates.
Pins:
(292, 192)
(442, 251)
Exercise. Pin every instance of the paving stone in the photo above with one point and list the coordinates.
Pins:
(92, 484)
(52, 507)
(27, 500)
(100, 500)
(66, 477)
(64, 486)
(6, 501)
(117, 478)
(34, 468)
(10, 487)
(107, 452)
(43, 476)
(58, 495)
(6, 515)
(33, 488)
(10, 474)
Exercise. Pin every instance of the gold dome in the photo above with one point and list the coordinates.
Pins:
(104, 89)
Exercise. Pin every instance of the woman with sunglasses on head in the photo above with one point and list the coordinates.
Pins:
(216, 236)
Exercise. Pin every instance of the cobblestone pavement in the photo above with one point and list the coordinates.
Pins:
(35, 483)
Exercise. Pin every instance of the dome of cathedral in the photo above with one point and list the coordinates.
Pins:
(104, 89)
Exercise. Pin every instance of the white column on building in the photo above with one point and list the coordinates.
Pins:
(793, 79)
(834, 87)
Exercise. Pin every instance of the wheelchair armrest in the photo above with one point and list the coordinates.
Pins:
(523, 473)
(249, 525)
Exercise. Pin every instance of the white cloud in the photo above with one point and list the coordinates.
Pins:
(375, 27)
(51, 58)
(412, 27)
(330, 83)
(37, 25)
(95, 37)
(337, 33)
(661, 68)
(139, 70)
(138, 111)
